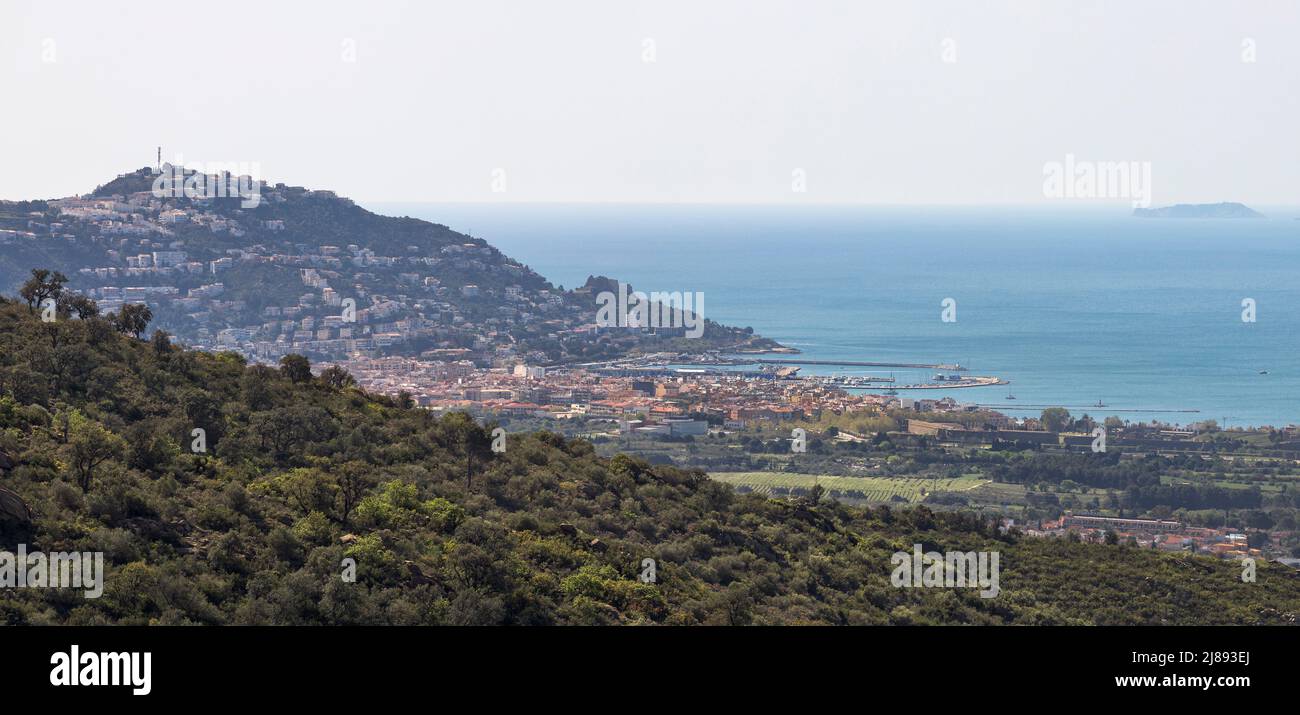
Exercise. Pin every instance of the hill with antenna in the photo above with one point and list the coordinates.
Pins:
(228, 262)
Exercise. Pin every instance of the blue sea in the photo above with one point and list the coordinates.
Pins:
(1072, 306)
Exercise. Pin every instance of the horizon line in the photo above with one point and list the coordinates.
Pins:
(1072, 205)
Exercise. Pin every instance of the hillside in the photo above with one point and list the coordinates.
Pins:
(303, 471)
(307, 271)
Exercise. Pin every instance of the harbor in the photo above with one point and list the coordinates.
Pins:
(668, 365)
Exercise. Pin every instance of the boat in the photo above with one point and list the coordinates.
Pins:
(1100, 404)
(1263, 372)
(1010, 396)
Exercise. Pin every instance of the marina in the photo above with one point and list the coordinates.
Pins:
(851, 381)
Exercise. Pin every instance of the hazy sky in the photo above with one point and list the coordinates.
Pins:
(874, 101)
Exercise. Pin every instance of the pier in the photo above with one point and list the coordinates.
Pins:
(859, 363)
(973, 381)
(1031, 408)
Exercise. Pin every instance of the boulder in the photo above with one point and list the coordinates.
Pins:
(13, 505)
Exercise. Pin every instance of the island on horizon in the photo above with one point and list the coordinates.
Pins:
(1224, 209)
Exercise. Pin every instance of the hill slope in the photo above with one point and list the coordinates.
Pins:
(304, 471)
(274, 274)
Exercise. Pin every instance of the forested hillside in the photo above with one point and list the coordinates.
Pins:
(303, 471)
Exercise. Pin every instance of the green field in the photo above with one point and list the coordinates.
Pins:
(872, 489)
(998, 493)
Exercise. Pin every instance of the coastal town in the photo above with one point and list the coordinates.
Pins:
(643, 394)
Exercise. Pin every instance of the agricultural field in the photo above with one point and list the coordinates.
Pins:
(998, 493)
(1268, 484)
(868, 489)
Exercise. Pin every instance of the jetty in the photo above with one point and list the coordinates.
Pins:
(1108, 410)
(973, 381)
(860, 363)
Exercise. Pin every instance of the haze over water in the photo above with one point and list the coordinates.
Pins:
(1072, 306)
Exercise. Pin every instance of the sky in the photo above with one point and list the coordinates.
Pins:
(702, 101)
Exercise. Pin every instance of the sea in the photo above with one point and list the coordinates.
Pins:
(1173, 320)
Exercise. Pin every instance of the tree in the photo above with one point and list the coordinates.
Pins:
(284, 428)
(1055, 419)
(295, 367)
(352, 481)
(89, 446)
(70, 303)
(337, 377)
(461, 434)
(309, 490)
(133, 319)
(41, 286)
(256, 387)
(202, 410)
(162, 344)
